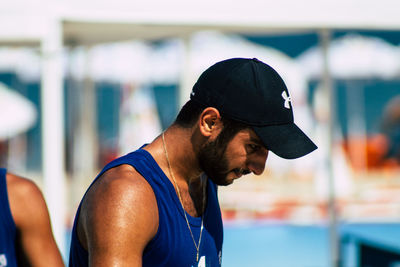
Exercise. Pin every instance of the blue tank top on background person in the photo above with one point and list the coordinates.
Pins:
(7, 227)
(172, 246)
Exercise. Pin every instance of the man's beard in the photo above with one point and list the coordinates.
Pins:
(213, 162)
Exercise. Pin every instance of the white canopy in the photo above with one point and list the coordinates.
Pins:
(89, 22)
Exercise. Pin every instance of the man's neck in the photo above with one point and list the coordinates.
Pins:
(180, 145)
(179, 162)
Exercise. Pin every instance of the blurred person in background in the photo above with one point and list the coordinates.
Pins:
(158, 206)
(383, 147)
(391, 128)
(26, 238)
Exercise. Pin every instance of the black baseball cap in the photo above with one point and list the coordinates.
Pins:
(252, 92)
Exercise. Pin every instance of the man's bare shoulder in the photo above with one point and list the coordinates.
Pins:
(29, 210)
(21, 187)
(120, 199)
(25, 198)
(120, 182)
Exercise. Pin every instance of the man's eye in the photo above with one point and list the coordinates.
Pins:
(254, 147)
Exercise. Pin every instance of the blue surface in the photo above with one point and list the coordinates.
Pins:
(285, 245)
(276, 246)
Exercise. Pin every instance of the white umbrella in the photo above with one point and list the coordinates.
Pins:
(354, 56)
(25, 62)
(17, 114)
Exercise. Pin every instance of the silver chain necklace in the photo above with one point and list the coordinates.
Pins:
(197, 246)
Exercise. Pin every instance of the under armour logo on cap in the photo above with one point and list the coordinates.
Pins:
(287, 99)
(3, 260)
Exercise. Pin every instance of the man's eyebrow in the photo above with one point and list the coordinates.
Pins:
(256, 140)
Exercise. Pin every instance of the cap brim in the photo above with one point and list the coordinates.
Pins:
(286, 141)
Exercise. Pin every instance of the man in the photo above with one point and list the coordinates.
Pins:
(390, 128)
(26, 238)
(158, 206)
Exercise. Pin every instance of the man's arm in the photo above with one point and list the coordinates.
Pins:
(118, 218)
(30, 214)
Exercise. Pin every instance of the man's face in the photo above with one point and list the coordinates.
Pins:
(223, 162)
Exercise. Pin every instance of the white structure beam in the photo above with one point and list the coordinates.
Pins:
(53, 129)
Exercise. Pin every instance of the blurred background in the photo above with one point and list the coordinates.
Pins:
(82, 83)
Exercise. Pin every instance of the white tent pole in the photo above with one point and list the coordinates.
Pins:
(325, 36)
(85, 142)
(53, 129)
(184, 85)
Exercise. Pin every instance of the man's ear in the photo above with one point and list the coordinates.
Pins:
(210, 122)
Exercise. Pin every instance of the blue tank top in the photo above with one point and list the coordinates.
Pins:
(172, 246)
(7, 227)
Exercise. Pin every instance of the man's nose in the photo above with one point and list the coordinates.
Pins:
(256, 163)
